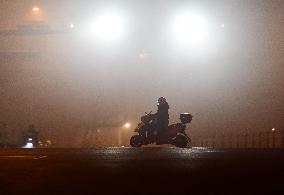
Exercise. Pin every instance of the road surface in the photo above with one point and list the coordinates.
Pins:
(141, 171)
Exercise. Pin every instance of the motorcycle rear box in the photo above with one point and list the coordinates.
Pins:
(185, 117)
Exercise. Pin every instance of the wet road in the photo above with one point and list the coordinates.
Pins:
(141, 171)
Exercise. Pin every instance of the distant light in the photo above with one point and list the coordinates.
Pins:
(29, 145)
(35, 9)
(143, 55)
(48, 142)
(273, 129)
(127, 125)
(222, 25)
(190, 28)
(72, 26)
(30, 139)
(108, 26)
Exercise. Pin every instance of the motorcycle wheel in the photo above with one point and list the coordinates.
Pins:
(136, 141)
(181, 141)
(189, 144)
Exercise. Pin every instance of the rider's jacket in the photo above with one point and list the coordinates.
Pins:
(163, 112)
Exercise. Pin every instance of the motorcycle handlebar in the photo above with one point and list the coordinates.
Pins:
(148, 113)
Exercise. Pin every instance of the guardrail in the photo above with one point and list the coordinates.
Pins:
(268, 139)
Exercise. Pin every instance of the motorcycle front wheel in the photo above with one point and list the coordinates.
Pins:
(136, 141)
(181, 141)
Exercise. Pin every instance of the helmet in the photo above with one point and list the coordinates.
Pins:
(162, 100)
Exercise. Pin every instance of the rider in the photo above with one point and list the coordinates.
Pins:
(32, 133)
(162, 115)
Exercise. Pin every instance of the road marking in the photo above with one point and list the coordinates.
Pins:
(40, 157)
(23, 157)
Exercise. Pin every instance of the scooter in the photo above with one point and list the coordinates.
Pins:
(148, 133)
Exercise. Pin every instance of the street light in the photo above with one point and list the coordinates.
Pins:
(71, 25)
(36, 13)
(109, 26)
(190, 28)
(35, 9)
(127, 125)
(273, 137)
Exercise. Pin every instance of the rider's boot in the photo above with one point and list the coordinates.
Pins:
(161, 139)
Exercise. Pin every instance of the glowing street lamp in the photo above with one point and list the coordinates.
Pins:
(36, 13)
(35, 9)
(273, 130)
(190, 28)
(72, 26)
(127, 125)
(108, 26)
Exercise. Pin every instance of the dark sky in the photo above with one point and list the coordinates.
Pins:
(233, 83)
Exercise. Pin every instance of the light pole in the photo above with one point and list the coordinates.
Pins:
(126, 126)
(273, 130)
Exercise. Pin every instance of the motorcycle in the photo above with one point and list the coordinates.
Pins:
(148, 133)
(31, 140)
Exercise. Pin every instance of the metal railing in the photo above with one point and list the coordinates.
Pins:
(267, 139)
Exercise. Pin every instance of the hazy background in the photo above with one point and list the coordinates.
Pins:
(79, 91)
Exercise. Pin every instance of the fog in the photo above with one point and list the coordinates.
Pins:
(70, 83)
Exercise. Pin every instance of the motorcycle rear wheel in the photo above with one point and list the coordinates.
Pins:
(136, 141)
